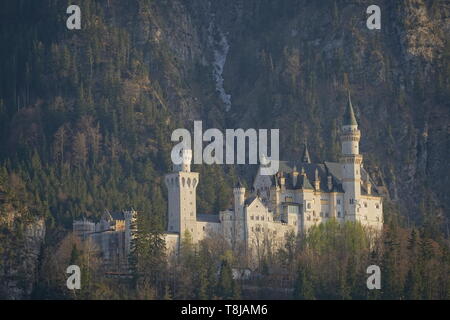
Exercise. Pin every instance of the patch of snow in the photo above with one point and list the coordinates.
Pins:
(220, 51)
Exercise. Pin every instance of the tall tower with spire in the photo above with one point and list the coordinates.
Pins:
(182, 185)
(351, 163)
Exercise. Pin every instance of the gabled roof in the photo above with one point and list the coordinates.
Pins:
(250, 200)
(303, 183)
(118, 215)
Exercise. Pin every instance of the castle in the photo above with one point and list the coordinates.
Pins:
(111, 235)
(300, 195)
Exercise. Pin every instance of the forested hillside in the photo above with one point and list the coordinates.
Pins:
(86, 115)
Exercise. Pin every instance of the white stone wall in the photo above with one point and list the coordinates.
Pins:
(182, 201)
(172, 242)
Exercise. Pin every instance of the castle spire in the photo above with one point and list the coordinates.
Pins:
(349, 116)
(305, 156)
(239, 184)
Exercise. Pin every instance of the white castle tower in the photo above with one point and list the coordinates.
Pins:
(239, 214)
(351, 163)
(182, 185)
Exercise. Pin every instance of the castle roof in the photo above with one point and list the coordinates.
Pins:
(303, 183)
(118, 215)
(204, 217)
(250, 200)
(349, 116)
(333, 169)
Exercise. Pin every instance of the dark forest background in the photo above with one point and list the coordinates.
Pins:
(86, 115)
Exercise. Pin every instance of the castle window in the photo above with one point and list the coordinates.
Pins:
(338, 201)
(326, 215)
(257, 218)
(314, 213)
(203, 228)
(262, 218)
(295, 222)
(252, 217)
(339, 214)
(377, 206)
(309, 205)
(365, 204)
(293, 209)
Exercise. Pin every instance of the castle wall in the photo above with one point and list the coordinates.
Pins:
(206, 228)
(172, 242)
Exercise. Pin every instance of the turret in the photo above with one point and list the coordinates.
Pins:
(294, 176)
(351, 161)
(316, 180)
(239, 197)
(330, 183)
(182, 185)
(185, 166)
(369, 187)
(239, 202)
(282, 181)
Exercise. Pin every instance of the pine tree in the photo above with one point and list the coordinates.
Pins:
(303, 289)
(226, 287)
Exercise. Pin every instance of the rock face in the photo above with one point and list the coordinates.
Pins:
(287, 65)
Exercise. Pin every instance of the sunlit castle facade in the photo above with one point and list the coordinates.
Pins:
(299, 196)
